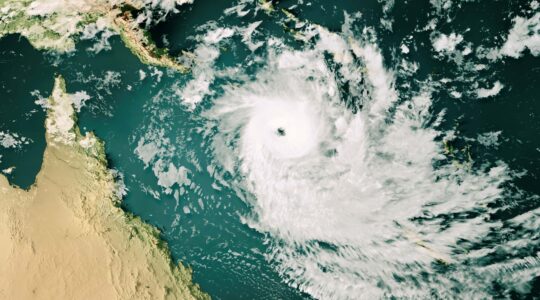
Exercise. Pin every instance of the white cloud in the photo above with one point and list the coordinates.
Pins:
(404, 49)
(524, 34)
(489, 139)
(79, 99)
(447, 43)
(12, 140)
(204, 57)
(168, 175)
(215, 36)
(142, 75)
(485, 93)
(167, 5)
(147, 151)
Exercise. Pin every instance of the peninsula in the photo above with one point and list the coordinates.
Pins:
(67, 237)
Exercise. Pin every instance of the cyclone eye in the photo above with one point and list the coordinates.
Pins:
(280, 131)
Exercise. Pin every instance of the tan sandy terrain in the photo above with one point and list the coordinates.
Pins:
(66, 238)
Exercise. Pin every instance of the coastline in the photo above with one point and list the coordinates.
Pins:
(142, 46)
(58, 28)
(67, 237)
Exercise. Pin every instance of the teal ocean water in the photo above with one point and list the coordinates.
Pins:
(367, 149)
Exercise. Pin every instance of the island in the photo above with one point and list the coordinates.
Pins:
(56, 25)
(67, 236)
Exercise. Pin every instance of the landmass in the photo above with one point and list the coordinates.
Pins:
(141, 44)
(57, 24)
(67, 237)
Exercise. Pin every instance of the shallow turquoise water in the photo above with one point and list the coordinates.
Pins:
(205, 226)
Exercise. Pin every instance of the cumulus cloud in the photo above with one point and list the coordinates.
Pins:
(12, 140)
(524, 34)
(447, 43)
(486, 93)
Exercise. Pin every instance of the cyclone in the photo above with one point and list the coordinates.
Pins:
(338, 187)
